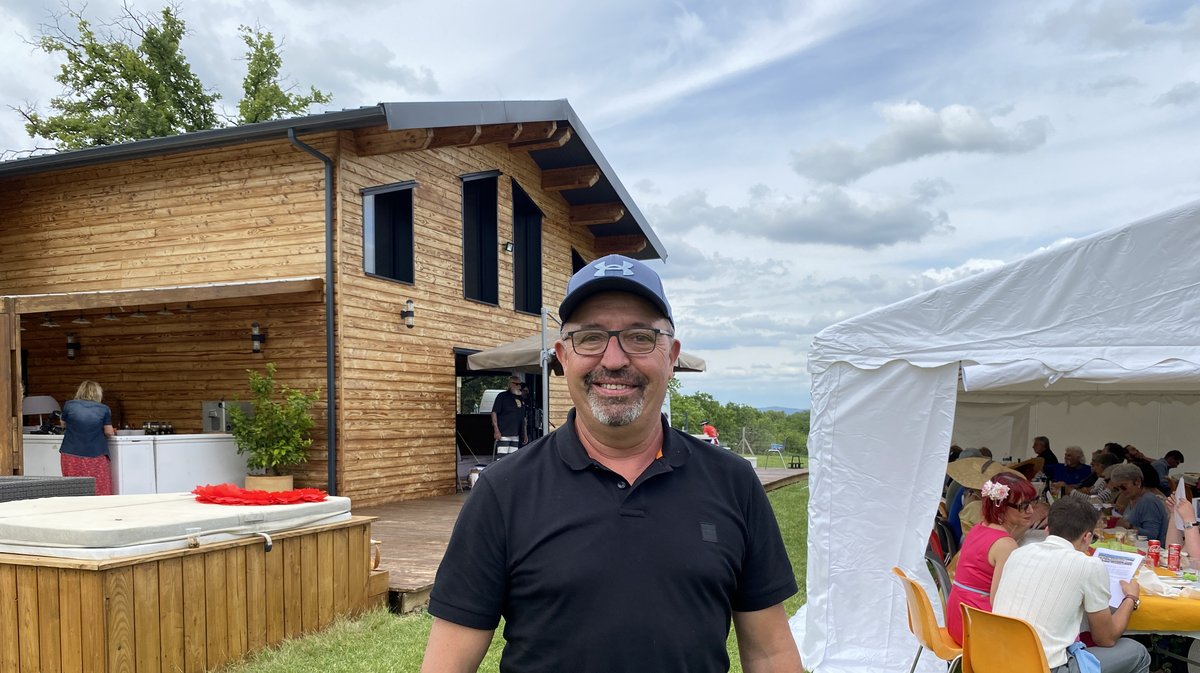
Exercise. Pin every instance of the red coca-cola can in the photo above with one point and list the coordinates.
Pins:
(1153, 553)
(1173, 551)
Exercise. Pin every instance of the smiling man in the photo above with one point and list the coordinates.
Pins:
(615, 543)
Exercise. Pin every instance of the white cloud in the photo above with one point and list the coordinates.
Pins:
(1107, 84)
(1116, 24)
(829, 215)
(1181, 94)
(915, 131)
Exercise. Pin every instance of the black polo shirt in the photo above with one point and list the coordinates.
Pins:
(594, 574)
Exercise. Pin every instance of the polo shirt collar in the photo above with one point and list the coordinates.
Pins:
(1059, 542)
(675, 451)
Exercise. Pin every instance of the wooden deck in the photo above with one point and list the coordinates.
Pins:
(414, 534)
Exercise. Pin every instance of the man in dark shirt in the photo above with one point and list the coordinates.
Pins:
(508, 419)
(615, 543)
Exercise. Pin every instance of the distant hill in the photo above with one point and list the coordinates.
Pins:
(786, 410)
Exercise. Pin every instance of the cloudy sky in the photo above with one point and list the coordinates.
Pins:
(804, 161)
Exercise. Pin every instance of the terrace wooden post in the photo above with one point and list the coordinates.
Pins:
(10, 386)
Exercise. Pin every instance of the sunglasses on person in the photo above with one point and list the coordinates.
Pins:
(1023, 506)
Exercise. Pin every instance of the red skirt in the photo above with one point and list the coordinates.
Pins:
(98, 467)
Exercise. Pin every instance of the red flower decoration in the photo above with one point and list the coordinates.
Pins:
(232, 494)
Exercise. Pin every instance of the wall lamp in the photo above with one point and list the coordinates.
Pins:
(73, 346)
(409, 314)
(508, 246)
(257, 338)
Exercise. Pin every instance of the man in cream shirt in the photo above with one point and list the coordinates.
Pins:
(1054, 584)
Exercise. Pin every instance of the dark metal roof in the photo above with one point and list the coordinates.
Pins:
(580, 150)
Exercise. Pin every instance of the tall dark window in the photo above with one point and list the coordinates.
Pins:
(527, 253)
(388, 231)
(480, 264)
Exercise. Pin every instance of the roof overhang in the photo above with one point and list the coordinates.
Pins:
(80, 301)
(570, 159)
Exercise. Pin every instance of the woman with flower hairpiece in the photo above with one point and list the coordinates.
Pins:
(1007, 498)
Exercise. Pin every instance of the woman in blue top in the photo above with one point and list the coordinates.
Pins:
(1142, 508)
(84, 451)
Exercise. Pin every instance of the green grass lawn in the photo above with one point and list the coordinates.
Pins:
(380, 641)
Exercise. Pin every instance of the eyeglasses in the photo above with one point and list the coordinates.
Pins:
(633, 340)
(1023, 506)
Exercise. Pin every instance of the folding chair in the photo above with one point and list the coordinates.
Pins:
(776, 449)
(997, 644)
(923, 623)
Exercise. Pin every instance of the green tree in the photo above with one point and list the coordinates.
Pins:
(263, 96)
(132, 81)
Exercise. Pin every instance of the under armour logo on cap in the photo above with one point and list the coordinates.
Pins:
(626, 268)
(615, 273)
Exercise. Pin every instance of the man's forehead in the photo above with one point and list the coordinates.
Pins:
(613, 305)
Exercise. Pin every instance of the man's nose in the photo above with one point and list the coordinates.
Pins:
(614, 354)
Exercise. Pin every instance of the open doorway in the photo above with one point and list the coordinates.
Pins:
(476, 391)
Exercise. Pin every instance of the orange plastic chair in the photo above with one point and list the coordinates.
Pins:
(997, 644)
(923, 623)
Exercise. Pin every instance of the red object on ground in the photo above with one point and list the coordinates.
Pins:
(232, 494)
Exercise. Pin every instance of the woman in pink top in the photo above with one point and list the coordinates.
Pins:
(1007, 497)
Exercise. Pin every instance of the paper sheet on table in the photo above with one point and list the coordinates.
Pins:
(1121, 565)
(1180, 496)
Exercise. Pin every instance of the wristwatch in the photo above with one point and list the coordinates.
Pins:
(1191, 524)
(1137, 602)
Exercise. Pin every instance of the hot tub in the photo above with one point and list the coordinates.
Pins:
(131, 525)
(113, 582)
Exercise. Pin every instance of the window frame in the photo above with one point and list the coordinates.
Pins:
(369, 230)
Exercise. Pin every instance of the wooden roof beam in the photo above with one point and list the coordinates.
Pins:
(379, 140)
(531, 131)
(620, 245)
(79, 301)
(597, 213)
(574, 177)
(454, 136)
(556, 140)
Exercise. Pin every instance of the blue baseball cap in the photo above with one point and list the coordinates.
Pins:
(614, 273)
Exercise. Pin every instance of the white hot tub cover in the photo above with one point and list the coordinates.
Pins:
(128, 525)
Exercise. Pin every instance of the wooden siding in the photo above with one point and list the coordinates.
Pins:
(254, 212)
(246, 212)
(189, 610)
(397, 414)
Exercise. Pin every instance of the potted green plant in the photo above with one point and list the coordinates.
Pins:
(276, 436)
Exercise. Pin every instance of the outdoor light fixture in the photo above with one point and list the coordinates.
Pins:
(73, 346)
(49, 321)
(111, 316)
(409, 314)
(256, 338)
(508, 246)
(187, 309)
(81, 320)
(137, 313)
(164, 311)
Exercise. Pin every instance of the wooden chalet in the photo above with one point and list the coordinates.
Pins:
(154, 262)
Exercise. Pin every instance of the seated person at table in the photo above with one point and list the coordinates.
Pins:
(1041, 449)
(1164, 465)
(1053, 584)
(1006, 500)
(1141, 508)
(1068, 474)
(1101, 464)
(1150, 478)
(1189, 537)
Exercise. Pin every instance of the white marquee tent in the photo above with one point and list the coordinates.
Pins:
(1088, 342)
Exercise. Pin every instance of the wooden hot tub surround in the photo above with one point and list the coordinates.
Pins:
(181, 610)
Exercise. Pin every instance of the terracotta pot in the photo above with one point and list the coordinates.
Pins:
(268, 483)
